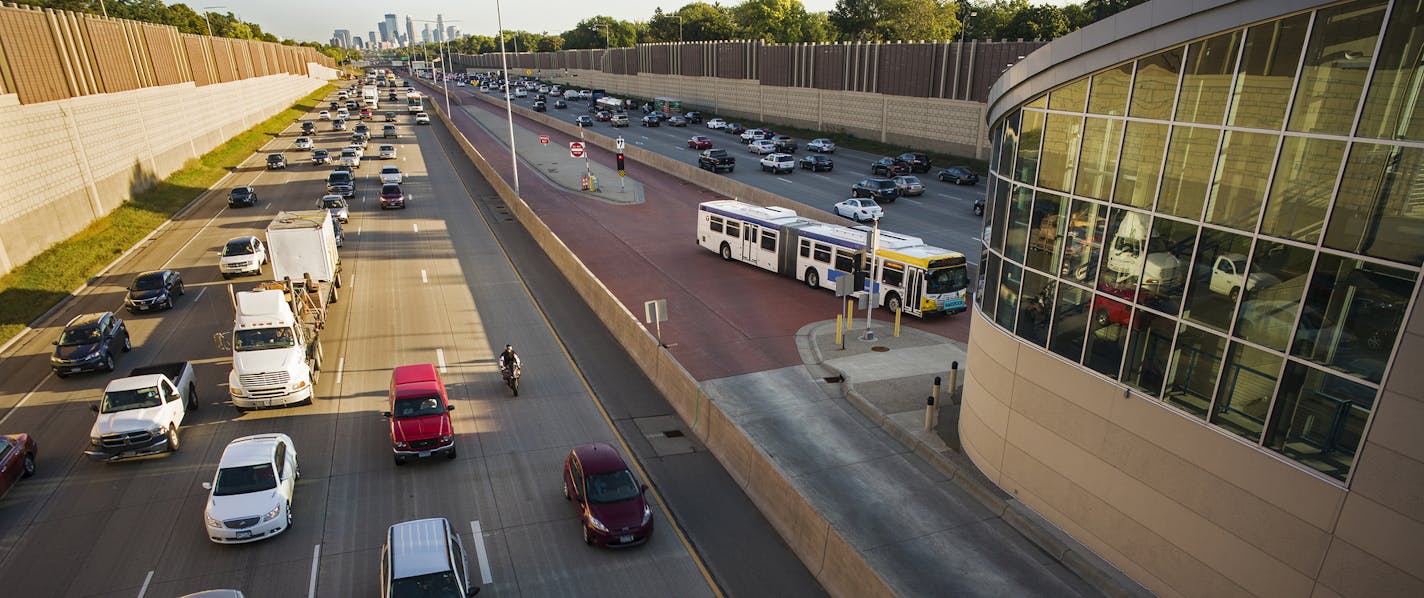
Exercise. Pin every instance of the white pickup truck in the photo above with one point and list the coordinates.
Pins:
(139, 415)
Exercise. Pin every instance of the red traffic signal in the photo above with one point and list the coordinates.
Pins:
(620, 162)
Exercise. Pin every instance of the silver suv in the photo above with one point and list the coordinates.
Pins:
(424, 558)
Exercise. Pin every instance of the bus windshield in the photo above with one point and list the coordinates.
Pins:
(946, 280)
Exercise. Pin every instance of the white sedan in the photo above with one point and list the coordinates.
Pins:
(303, 143)
(250, 497)
(716, 123)
(762, 146)
(825, 146)
(859, 209)
(422, 118)
(324, 115)
(392, 175)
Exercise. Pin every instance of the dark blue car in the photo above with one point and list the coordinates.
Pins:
(88, 343)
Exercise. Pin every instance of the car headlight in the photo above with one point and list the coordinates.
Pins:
(212, 522)
(95, 441)
(158, 430)
(445, 439)
(400, 444)
(647, 514)
(92, 355)
(594, 523)
(277, 510)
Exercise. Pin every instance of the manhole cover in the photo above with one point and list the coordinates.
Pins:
(673, 434)
(880, 349)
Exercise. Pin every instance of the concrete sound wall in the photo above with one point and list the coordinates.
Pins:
(73, 161)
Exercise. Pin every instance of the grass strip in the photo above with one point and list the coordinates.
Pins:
(48, 278)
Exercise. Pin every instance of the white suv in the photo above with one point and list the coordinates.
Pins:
(250, 498)
(425, 558)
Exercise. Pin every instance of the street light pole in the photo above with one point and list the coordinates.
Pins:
(872, 247)
(205, 18)
(679, 29)
(508, 104)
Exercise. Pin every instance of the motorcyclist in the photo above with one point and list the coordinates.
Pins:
(509, 360)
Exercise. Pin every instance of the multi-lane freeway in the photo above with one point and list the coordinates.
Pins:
(444, 282)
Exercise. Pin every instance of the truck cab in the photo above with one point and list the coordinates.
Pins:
(419, 414)
(1228, 276)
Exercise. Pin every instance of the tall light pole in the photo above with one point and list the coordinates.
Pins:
(206, 9)
(964, 31)
(508, 103)
(444, 68)
(679, 28)
(607, 39)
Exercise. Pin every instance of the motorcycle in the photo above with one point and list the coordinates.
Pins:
(511, 377)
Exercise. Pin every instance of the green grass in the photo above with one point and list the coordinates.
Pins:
(39, 284)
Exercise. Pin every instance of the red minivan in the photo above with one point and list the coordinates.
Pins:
(612, 507)
(419, 414)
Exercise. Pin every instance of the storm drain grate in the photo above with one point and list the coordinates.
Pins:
(833, 379)
(672, 434)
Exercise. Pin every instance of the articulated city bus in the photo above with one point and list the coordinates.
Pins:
(908, 275)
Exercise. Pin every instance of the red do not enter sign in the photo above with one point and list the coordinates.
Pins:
(544, 139)
(576, 149)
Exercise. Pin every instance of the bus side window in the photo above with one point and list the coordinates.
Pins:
(805, 248)
(822, 253)
(892, 274)
(734, 229)
(844, 261)
(768, 240)
(716, 225)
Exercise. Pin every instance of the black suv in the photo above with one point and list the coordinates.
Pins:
(880, 190)
(276, 161)
(341, 183)
(154, 289)
(308, 127)
(889, 167)
(693, 117)
(242, 197)
(918, 162)
(959, 175)
(88, 343)
(817, 163)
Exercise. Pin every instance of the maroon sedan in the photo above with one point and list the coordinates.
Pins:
(700, 142)
(392, 196)
(17, 459)
(613, 510)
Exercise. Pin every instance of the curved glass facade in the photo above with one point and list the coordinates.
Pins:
(1233, 226)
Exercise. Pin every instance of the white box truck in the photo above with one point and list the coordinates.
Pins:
(275, 339)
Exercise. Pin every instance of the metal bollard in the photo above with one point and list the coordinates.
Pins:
(953, 377)
(897, 323)
(934, 392)
(929, 413)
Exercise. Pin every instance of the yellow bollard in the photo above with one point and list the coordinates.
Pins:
(838, 330)
(897, 323)
(850, 311)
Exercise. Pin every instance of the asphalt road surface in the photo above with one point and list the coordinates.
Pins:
(447, 281)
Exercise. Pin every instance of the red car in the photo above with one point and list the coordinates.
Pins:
(700, 142)
(603, 116)
(392, 197)
(613, 510)
(419, 414)
(17, 459)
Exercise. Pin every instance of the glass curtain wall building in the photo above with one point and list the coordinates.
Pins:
(1219, 214)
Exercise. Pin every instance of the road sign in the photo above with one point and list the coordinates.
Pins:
(528, 72)
(544, 139)
(576, 149)
(620, 142)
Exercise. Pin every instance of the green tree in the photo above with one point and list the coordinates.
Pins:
(855, 20)
(782, 21)
(895, 20)
(706, 22)
(600, 32)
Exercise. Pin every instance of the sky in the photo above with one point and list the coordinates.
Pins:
(315, 21)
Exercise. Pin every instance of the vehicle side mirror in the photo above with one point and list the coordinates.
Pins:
(207, 485)
(449, 407)
(642, 487)
(385, 414)
(94, 408)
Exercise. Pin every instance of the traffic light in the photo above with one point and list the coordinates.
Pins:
(621, 170)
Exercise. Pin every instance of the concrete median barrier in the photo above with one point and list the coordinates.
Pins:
(839, 567)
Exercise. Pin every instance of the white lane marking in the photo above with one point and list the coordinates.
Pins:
(27, 396)
(784, 180)
(944, 195)
(423, 278)
(358, 227)
(316, 557)
(144, 589)
(200, 294)
(415, 226)
(440, 359)
(268, 206)
(480, 552)
(340, 366)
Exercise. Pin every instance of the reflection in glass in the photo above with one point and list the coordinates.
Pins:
(990, 289)
(1206, 83)
(1127, 246)
(1109, 95)
(1190, 156)
(1070, 97)
(1394, 105)
(1319, 419)
(1268, 62)
(1169, 250)
(999, 213)
(1019, 212)
(1268, 310)
(1352, 315)
(1218, 277)
(978, 291)
(1070, 321)
(1239, 187)
(1142, 148)
(1195, 363)
(1045, 238)
(1010, 276)
(1010, 145)
(996, 139)
(1337, 59)
(1099, 157)
(1039, 102)
(1026, 168)
(1303, 185)
(1061, 137)
(1107, 335)
(1379, 211)
(1149, 350)
(1156, 84)
(1035, 308)
(1083, 241)
(1248, 382)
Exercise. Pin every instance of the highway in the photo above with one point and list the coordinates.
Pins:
(446, 281)
(943, 216)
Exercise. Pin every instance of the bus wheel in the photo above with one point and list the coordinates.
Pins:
(892, 302)
(813, 279)
(726, 251)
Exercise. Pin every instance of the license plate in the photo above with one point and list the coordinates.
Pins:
(245, 533)
(625, 539)
(424, 454)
